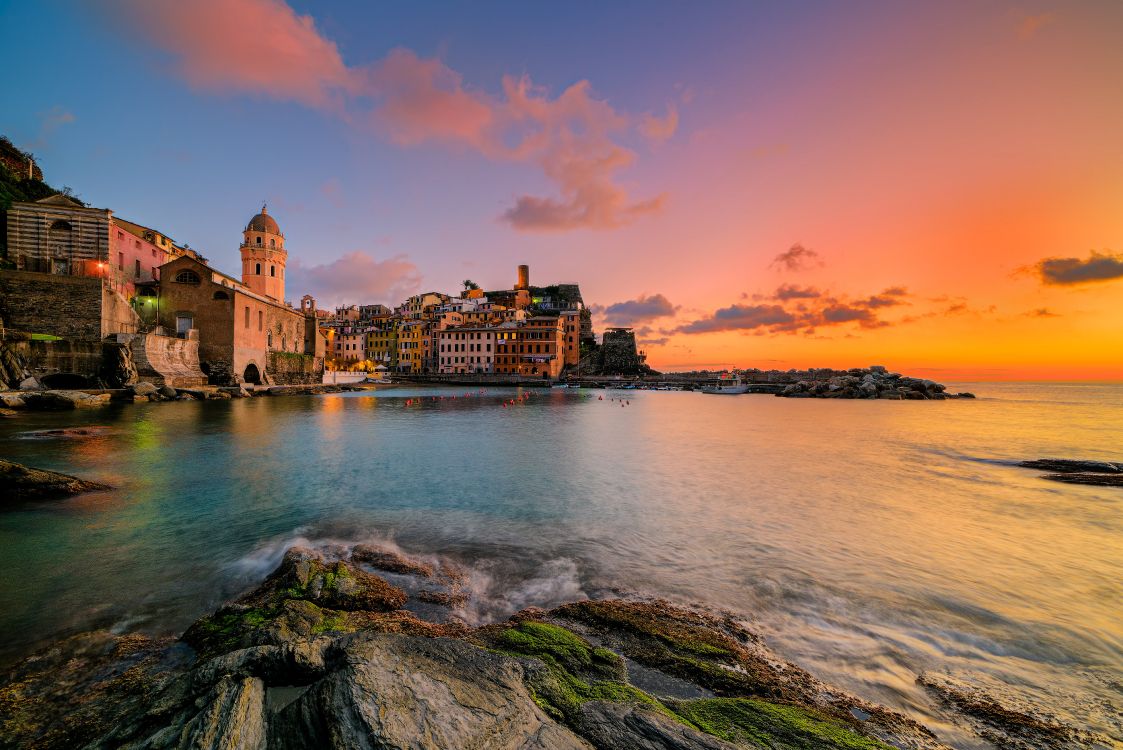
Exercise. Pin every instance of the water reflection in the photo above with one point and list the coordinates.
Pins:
(870, 541)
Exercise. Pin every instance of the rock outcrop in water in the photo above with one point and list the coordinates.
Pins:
(867, 383)
(321, 656)
(1100, 473)
(1004, 723)
(20, 483)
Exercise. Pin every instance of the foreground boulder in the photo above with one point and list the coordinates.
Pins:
(322, 655)
(20, 483)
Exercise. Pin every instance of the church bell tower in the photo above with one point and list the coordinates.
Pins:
(264, 257)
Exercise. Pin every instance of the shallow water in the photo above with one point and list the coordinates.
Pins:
(868, 541)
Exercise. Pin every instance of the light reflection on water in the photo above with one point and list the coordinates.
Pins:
(869, 540)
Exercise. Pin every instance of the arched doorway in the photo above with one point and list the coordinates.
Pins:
(64, 380)
(252, 374)
(61, 244)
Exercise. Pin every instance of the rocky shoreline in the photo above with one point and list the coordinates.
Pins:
(325, 654)
(36, 399)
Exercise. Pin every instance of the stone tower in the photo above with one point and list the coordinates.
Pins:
(264, 257)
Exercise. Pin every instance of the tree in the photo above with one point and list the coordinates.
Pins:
(470, 285)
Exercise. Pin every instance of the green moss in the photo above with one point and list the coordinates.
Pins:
(333, 622)
(773, 725)
(570, 650)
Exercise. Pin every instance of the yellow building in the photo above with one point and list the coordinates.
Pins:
(414, 345)
(382, 341)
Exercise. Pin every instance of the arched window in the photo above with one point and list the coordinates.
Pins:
(187, 276)
(272, 243)
(221, 295)
(257, 268)
(259, 241)
(284, 343)
(269, 340)
(272, 270)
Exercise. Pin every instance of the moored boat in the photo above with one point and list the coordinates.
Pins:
(727, 385)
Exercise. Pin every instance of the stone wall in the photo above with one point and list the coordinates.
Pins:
(288, 368)
(79, 308)
(66, 306)
(167, 360)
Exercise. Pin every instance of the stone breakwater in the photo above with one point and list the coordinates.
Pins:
(869, 383)
(325, 654)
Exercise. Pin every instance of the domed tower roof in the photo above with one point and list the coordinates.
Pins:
(263, 222)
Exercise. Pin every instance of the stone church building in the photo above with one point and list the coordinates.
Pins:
(246, 331)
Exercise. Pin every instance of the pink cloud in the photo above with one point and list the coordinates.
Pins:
(1029, 25)
(573, 137)
(247, 46)
(357, 277)
(424, 100)
(660, 128)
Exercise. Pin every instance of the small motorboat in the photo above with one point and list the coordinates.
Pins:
(729, 385)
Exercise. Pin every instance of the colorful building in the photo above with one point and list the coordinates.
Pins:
(467, 349)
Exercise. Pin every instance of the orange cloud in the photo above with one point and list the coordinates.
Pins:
(264, 47)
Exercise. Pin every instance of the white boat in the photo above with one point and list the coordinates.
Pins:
(727, 385)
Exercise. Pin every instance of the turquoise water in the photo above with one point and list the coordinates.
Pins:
(868, 541)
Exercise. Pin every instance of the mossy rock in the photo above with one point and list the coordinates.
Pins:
(684, 644)
(778, 726)
(303, 598)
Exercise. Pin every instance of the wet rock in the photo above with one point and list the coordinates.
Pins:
(1067, 466)
(1099, 480)
(64, 400)
(168, 392)
(622, 725)
(30, 384)
(144, 388)
(234, 717)
(66, 433)
(12, 401)
(399, 689)
(19, 483)
(390, 561)
(1006, 724)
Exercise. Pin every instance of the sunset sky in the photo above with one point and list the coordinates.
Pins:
(937, 188)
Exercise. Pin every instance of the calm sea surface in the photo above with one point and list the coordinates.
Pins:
(868, 541)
